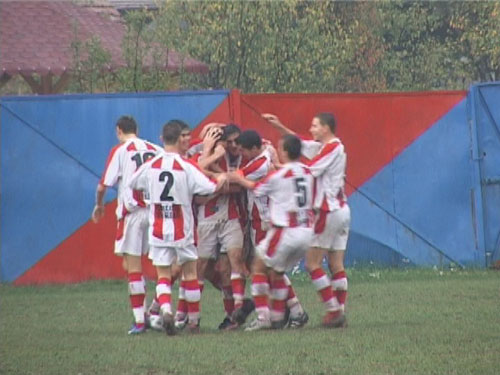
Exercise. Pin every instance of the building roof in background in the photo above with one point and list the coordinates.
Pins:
(36, 37)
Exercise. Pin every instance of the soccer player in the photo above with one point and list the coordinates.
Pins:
(331, 229)
(171, 182)
(219, 225)
(289, 191)
(131, 236)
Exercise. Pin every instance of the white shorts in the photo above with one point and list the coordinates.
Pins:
(166, 256)
(226, 233)
(132, 233)
(282, 248)
(331, 229)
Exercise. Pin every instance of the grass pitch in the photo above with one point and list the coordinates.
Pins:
(400, 322)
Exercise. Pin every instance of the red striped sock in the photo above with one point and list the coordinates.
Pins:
(137, 294)
(193, 300)
(324, 288)
(238, 286)
(339, 283)
(228, 300)
(164, 294)
(260, 293)
(279, 293)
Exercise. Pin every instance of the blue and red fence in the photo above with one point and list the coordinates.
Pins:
(423, 177)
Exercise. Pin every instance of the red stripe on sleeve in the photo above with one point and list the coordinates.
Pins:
(149, 146)
(326, 150)
(157, 163)
(108, 161)
(254, 166)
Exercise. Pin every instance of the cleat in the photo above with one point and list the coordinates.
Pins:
(225, 323)
(135, 330)
(232, 326)
(299, 321)
(241, 314)
(335, 319)
(279, 324)
(181, 322)
(168, 324)
(257, 325)
(193, 329)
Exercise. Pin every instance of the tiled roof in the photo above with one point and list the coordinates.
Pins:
(36, 37)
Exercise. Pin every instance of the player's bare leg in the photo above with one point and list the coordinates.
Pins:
(339, 277)
(164, 296)
(314, 259)
(137, 291)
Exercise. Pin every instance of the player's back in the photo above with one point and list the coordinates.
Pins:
(123, 161)
(290, 192)
(171, 182)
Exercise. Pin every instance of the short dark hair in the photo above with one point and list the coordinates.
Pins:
(127, 124)
(327, 118)
(292, 146)
(231, 129)
(172, 131)
(248, 139)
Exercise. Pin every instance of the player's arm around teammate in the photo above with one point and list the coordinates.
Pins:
(328, 163)
(171, 182)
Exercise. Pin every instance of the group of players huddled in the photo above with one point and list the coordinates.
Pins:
(225, 208)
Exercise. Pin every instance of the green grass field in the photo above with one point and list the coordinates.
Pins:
(400, 322)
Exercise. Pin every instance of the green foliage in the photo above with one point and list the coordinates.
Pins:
(304, 46)
(90, 64)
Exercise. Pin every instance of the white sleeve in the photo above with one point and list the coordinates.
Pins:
(325, 159)
(265, 186)
(310, 148)
(257, 169)
(112, 171)
(198, 182)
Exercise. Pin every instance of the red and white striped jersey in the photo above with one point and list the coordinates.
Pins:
(290, 192)
(171, 182)
(255, 170)
(327, 165)
(123, 160)
(223, 206)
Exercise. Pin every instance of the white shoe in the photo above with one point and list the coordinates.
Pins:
(181, 322)
(257, 324)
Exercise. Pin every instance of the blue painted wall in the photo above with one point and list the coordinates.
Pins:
(434, 203)
(53, 152)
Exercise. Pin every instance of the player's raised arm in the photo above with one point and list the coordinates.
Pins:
(276, 123)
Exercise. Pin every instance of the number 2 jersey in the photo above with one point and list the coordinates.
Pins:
(290, 192)
(123, 160)
(171, 182)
